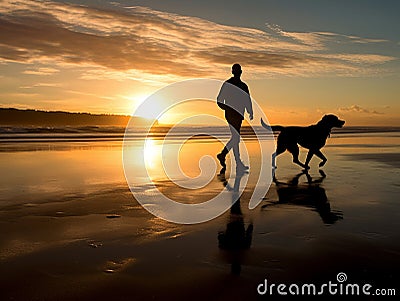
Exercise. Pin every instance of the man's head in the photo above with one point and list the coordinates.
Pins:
(236, 70)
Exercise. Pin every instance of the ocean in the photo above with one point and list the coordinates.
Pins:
(72, 229)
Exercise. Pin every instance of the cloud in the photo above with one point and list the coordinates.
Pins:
(89, 94)
(142, 41)
(358, 109)
(40, 85)
(41, 71)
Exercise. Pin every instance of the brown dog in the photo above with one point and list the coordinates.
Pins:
(312, 137)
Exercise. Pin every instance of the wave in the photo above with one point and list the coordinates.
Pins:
(82, 133)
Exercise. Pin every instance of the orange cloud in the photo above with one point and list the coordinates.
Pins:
(142, 41)
(358, 109)
(41, 71)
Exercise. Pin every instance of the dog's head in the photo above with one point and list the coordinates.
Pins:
(331, 121)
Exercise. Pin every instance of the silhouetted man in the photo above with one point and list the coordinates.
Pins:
(234, 102)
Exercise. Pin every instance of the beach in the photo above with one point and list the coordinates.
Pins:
(72, 230)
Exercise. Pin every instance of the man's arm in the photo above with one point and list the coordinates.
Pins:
(221, 98)
(249, 105)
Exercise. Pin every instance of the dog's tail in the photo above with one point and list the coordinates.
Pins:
(277, 128)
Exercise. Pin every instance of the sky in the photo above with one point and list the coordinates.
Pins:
(301, 59)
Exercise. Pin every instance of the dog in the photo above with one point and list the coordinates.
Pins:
(312, 137)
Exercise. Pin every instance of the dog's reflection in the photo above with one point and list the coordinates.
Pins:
(236, 238)
(310, 194)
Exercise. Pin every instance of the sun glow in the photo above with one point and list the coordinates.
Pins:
(135, 100)
(147, 106)
(152, 154)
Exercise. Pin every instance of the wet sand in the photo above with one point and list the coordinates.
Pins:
(71, 229)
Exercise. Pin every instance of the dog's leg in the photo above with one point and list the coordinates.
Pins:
(321, 178)
(308, 159)
(279, 150)
(322, 157)
(294, 149)
(274, 160)
(309, 178)
(295, 180)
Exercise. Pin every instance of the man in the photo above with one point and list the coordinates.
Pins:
(234, 99)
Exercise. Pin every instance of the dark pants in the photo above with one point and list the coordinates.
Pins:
(235, 123)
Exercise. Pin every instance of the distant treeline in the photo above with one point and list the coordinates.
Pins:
(17, 117)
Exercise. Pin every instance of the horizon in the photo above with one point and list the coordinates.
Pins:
(160, 124)
(98, 57)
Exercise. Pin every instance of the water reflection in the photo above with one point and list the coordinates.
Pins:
(236, 239)
(310, 194)
(152, 153)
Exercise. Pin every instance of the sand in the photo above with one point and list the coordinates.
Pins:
(71, 229)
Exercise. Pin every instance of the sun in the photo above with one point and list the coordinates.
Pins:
(136, 99)
(146, 106)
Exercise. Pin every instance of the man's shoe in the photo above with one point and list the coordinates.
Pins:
(221, 159)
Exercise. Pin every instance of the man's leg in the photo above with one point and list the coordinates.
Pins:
(230, 144)
(235, 140)
(234, 125)
(235, 130)
(222, 156)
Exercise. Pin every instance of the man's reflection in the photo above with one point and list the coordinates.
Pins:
(236, 238)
